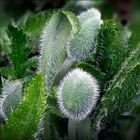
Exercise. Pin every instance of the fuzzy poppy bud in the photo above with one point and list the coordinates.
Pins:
(80, 46)
(78, 94)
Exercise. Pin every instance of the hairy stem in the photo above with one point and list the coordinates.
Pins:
(72, 130)
(63, 70)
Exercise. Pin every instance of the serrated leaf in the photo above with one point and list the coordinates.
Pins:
(23, 123)
(111, 48)
(131, 130)
(10, 98)
(118, 97)
(19, 50)
(31, 62)
(53, 43)
(50, 126)
(129, 63)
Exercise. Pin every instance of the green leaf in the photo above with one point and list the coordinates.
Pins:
(10, 98)
(36, 22)
(120, 93)
(52, 127)
(23, 123)
(0, 84)
(31, 62)
(129, 63)
(83, 129)
(53, 106)
(131, 130)
(7, 72)
(19, 50)
(53, 44)
(111, 46)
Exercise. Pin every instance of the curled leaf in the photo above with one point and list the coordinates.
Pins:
(53, 43)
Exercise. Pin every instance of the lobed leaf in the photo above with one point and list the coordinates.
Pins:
(118, 97)
(111, 48)
(19, 50)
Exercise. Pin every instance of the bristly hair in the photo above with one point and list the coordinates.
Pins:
(11, 95)
(83, 44)
(52, 55)
(53, 41)
(77, 94)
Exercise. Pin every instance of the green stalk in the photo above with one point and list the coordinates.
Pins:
(63, 70)
(72, 130)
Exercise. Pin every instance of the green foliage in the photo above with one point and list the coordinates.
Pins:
(54, 121)
(104, 50)
(131, 130)
(83, 130)
(19, 54)
(23, 123)
(111, 46)
(36, 22)
(0, 84)
(120, 93)
(4, 41)
(52, 128)
(10, 98)
(7, 72)
(19, 50)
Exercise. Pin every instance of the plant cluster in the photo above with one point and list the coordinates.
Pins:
(66, 76)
